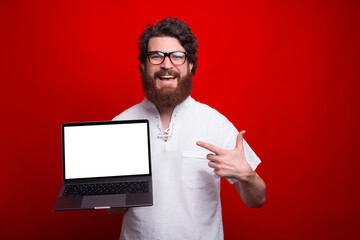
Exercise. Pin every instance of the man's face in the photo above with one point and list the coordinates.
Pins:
(166, 84)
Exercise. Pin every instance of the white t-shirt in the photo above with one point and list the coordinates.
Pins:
(186, 191)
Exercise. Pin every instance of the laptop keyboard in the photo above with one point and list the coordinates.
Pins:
(88, 189)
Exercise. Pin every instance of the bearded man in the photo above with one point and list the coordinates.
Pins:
(192, 145)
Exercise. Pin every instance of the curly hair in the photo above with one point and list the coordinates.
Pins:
(170, 27)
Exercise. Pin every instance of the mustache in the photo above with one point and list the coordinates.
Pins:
(166, 72)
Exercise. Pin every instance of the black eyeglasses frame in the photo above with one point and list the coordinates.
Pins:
(166, 54)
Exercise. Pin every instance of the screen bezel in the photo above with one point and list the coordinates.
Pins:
(107, 178)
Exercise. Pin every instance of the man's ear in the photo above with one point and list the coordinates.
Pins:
(190, 67)
(142, 68)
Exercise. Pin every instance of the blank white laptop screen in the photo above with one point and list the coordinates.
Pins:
(106, 150)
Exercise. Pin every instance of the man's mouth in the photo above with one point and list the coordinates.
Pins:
(167, 77)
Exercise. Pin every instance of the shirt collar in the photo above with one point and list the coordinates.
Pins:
(178, 109)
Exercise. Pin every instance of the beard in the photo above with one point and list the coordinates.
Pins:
(168, 97)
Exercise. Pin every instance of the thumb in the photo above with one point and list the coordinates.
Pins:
(239, 140)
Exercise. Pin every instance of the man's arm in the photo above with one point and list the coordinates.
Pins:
(252, 191)
(232, 164)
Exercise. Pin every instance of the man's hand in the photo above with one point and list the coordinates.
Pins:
(229, 163)
(232, 164)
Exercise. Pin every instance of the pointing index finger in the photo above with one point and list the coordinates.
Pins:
(209, 147)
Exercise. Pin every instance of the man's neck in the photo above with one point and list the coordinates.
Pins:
(165, 116)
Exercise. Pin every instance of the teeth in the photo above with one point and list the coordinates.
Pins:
(167, 76)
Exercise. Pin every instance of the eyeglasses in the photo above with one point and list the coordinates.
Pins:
(176, 58)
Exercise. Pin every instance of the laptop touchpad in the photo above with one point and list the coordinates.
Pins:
(102, 201)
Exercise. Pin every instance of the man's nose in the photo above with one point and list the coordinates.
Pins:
(167, 64)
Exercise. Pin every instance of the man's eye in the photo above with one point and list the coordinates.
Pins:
(155, 56)
(178, 55)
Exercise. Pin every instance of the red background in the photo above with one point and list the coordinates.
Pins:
(285, 71)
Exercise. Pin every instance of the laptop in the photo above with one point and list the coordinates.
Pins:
(105, 165)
